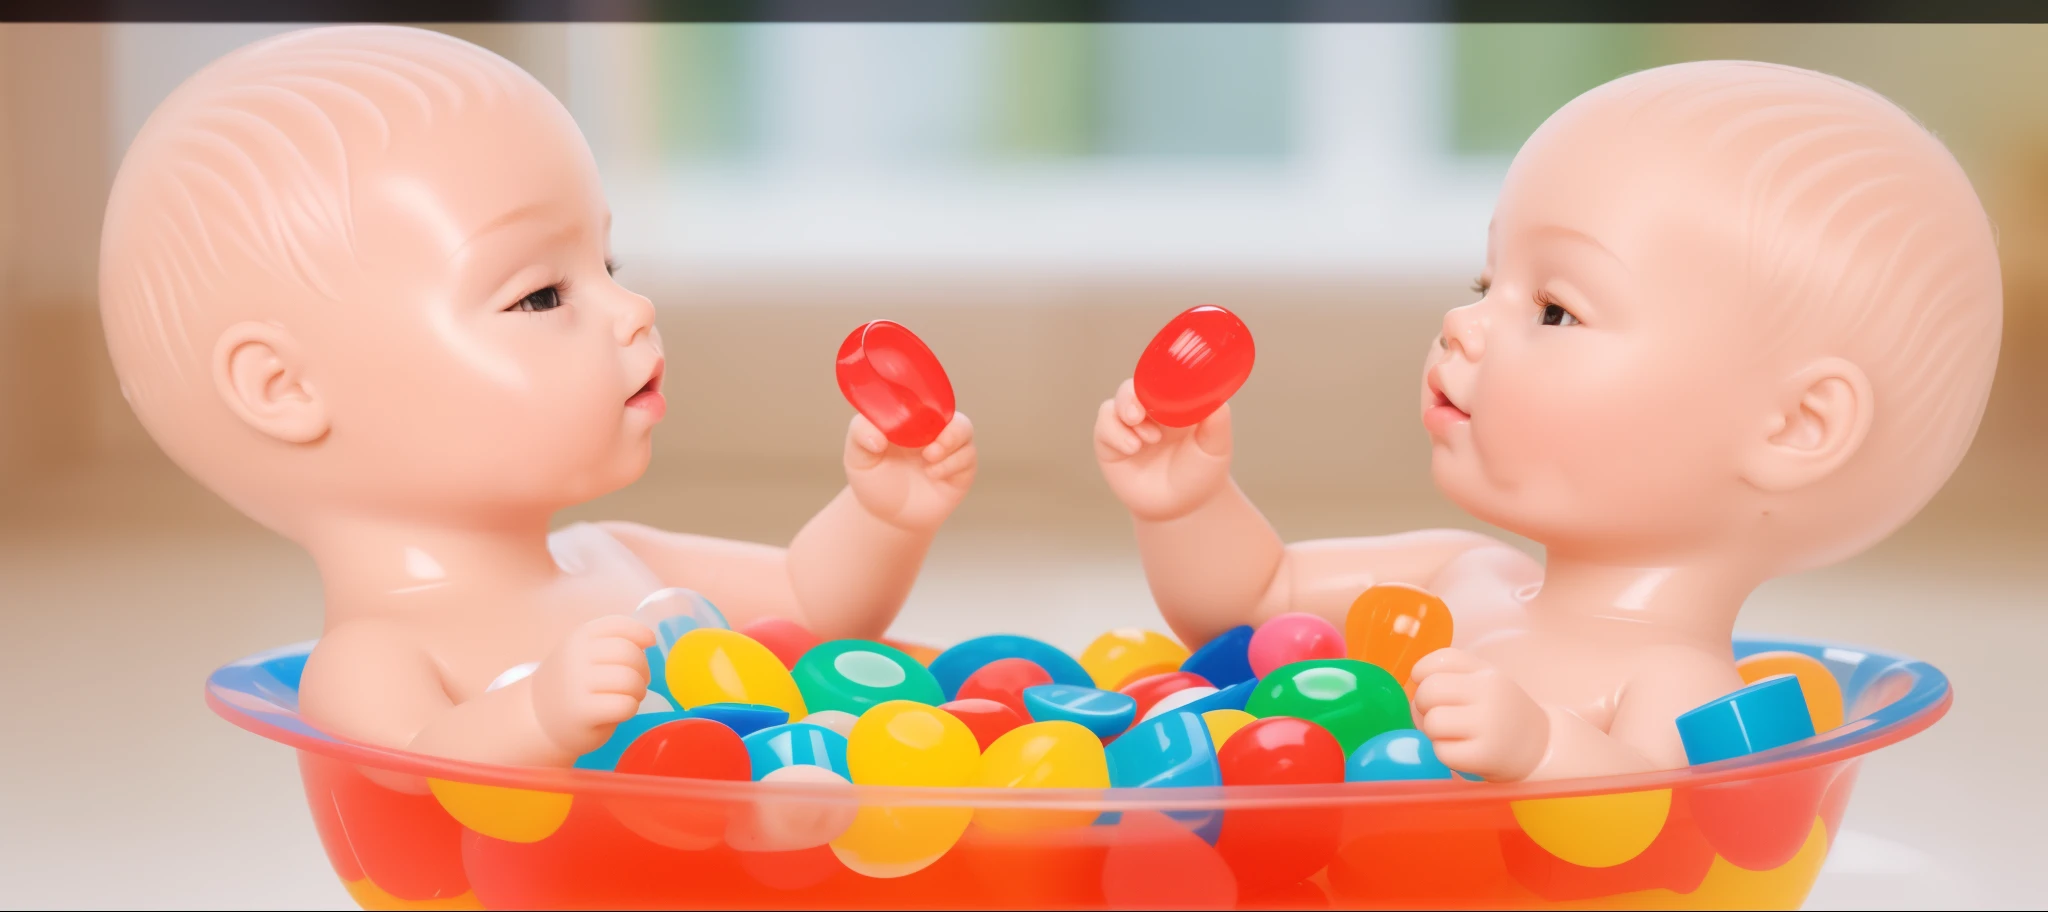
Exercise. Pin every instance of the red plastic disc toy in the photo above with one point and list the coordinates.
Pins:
(1193, 366)
(889, 375)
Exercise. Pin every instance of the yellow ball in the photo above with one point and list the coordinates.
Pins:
(1595, 831)
(905, 743)
(708, 666)
(1223, 723)
(1116, 656)
(513, 815)
(1055, 754)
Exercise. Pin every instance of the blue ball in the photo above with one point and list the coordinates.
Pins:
(797, 744)
(657, 674)
(1225, 660)
(606, 757)
(1104, 712)
(953, 666)
(1233, 697)
(1170, 750)
(1395, 756)
(1768, 714)
(743, 718)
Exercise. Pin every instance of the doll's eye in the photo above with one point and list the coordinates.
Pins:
(547, 298)
(1554, 315)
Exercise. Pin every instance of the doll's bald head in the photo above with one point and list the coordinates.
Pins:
(289, 249)
(1730, 302)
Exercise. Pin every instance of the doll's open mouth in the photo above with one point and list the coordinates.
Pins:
(649, 394)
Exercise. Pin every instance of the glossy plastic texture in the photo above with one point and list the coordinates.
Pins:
(1749, 832)
(1195, 364)
(892, 378)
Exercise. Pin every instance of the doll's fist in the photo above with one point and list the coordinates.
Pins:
(595, 679)
(910, 489)
(1479, 720)
(1160, 473)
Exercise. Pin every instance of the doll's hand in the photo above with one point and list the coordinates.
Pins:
(594, 680)
(1160, 473)
(914, 490)
(1480, 721)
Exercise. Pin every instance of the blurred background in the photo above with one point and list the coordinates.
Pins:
(1035, 201)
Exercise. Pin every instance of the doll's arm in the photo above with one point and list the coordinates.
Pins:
(367, 683)
(845, 575)
(1222, 565)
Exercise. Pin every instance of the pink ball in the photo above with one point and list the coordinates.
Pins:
(1293, 637)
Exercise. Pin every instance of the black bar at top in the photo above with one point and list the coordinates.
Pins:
(1131, 11)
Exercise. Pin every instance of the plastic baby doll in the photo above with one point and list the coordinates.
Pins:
(1737, 320)
(356, 281)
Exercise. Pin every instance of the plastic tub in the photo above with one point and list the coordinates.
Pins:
(405, 831)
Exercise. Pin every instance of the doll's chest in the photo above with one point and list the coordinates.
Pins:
(1586, 679)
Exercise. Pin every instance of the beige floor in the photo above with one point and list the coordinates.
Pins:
(120, 590)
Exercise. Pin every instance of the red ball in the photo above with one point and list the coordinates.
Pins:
(889, 375)
(1281, 750)
(1003, 681)
(688, 749)
(784, 637)
(1193, 366)
(987, 719)
(1150, 690)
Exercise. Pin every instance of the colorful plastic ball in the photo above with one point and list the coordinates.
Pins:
(1290, 638)
(1395, 756)
(743, 718)
(675, 611)
(1768, 714)
(1150, 690)
(1104, 712)
(1353, 700)
(1173, 750)
(892, 378)
(841, 722)
(987, 719)
(782, 824)
(1233, 697)
(1223, 723)
(1114, 656)
(1281, 751)
(1180, 700)
(853, 675)
(1193, 366)
(796, 744)
(905, 743)
(1054, 754)
(1225, 660)
(606, 757)
(689, 749)
(952, 667)
(784, 637)
(1004, 681)
(1393, 625)
(1816, 681)
(722, 666)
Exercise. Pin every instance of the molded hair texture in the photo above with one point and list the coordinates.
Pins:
(235, 200)
(1864, 236)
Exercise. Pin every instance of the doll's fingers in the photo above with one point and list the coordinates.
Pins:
(618, 679)
(1445, 660)
(619, 651)
(1448, 725)
(960, 461)
(1128, 407)
(1114, 439)
(957, 434)
(865, 445)
(621, 627)
(1149, 431)
(1442, 690)
(1213, 434)
(615, 707)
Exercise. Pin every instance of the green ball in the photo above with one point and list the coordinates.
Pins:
(1356, 701)
(852, 675)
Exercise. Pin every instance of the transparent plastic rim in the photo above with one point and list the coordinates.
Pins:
(254, 694)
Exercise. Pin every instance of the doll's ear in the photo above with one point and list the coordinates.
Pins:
(1818, 420)
(260, 373)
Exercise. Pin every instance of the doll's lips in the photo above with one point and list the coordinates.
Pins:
(1442, 413)
(649, 396)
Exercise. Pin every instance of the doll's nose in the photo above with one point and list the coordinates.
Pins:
(636, 318)
(1465, 331)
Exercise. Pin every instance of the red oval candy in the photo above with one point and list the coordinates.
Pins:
(1193, 366)
(987, 719)
(1003, 681)
(889, 375)
(1154, 688)
(784, 637)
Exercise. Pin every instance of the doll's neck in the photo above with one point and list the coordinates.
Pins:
(1670, 602)
(370, 565)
